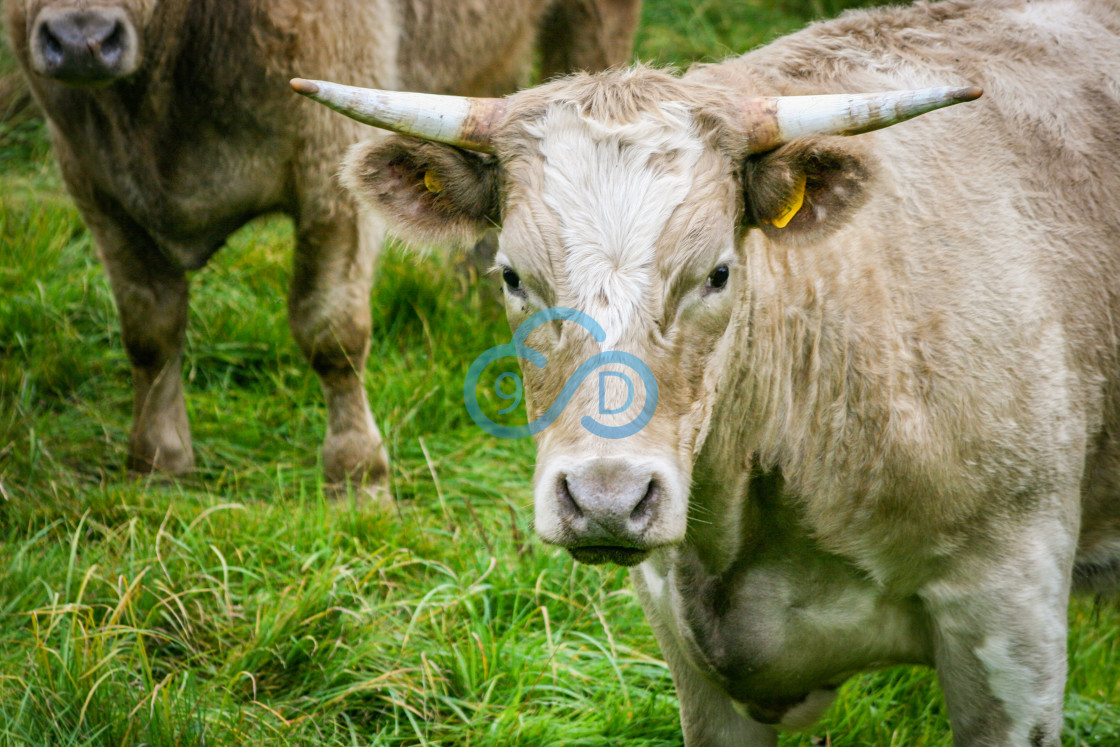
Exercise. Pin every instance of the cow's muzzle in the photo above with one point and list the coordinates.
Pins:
(84, 47)
(608, 509)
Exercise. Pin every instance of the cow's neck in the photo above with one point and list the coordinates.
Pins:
(827, 388)
(203, 64)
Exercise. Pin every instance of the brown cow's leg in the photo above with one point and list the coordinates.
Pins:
(152, 296)
(328, 309)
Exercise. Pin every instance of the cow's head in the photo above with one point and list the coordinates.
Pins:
(85, 43)
(624, 196)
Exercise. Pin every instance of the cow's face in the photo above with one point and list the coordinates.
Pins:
(628, 198)
(633, 224)
(86, 43)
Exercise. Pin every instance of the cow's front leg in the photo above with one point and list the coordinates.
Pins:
(1000, 641)
(152, 295)
(709, 717)
(328, 309)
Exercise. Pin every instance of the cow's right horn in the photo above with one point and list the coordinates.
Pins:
(454, 120)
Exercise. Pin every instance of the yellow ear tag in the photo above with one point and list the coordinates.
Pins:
(434, 185)
(796, 200)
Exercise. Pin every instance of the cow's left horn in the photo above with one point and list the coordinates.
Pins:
(463, 122)
(774, 121)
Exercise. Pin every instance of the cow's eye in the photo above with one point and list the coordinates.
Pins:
(513, 280)
(718, 278)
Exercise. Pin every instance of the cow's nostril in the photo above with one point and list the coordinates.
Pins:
(645, 506)
(568, 502)
(51, 45)
(112, 47)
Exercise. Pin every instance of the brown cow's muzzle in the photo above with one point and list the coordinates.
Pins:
(84, 47)
(609, 509)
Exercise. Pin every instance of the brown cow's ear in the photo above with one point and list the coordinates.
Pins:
(429, 193)
(806, 188)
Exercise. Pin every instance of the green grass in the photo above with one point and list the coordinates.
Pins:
(242, 606)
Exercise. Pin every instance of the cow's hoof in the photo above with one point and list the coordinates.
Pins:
(376, 497)
(145, 458)
(354, 464)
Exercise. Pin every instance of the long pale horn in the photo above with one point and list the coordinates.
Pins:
(774, 121)
(455, 120)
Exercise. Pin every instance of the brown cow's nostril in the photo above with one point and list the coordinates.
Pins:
(51, 46)
(112, 47)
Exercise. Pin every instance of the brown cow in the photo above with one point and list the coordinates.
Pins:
(887, 367)
(173, 126)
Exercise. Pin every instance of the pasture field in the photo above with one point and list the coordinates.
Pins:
(243, 606)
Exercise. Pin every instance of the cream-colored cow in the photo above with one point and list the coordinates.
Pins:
(888, 366)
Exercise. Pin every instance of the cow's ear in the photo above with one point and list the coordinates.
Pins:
(429, 193)
(806, 188)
